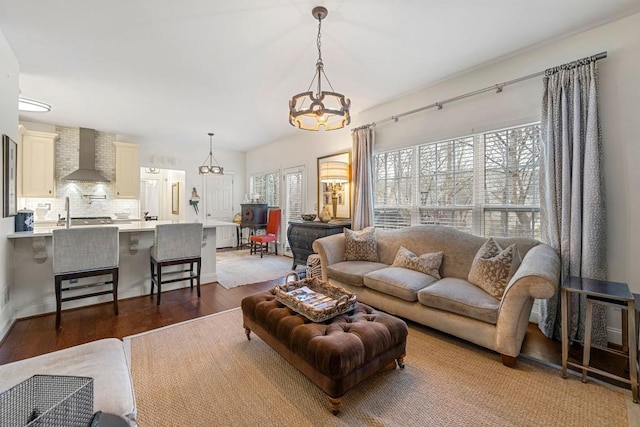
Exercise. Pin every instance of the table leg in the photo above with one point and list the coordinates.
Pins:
(564, 333)
(633, 349)
(586, 350)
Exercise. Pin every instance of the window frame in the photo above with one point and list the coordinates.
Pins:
(398, 216)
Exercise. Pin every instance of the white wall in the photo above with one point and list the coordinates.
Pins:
(519, 103)
(9, 83)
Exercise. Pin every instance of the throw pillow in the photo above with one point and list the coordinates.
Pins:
(493, 267)
(425, 263)
(360, 245)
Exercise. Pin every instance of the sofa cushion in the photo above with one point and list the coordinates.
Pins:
(461, 297)
(351, 272)
(493, 267)
(360, 245)
(398, 282)
(425, 263)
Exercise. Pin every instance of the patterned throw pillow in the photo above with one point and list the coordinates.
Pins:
(425, 263)
(493, 267)
(360, 245)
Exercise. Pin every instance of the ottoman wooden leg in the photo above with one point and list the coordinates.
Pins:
(400, 361)
(247, 332)
(335, 404)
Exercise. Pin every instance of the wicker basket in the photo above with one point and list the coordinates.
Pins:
(48, 400)
(344, 300)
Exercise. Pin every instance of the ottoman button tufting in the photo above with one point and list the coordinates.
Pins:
(352, 348)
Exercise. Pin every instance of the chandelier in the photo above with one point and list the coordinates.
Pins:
(329, 109)
(210, 169)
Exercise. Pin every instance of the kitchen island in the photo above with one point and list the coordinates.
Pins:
(33, 291)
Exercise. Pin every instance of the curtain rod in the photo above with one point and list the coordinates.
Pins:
(497, 87)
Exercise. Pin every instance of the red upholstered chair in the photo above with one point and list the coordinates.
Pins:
(273, 226)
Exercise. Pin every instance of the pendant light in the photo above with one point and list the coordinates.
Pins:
(327, 109)
(210, 169)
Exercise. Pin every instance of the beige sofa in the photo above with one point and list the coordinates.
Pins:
(103, 360)
(451, 304)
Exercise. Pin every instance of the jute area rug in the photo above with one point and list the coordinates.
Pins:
(204, 372)
(237, 268)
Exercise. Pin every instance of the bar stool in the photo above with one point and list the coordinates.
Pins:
(85, 252)
(629, 310)
(176, 244)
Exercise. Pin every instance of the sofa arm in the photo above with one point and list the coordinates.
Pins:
(537, 277)
(539, 273)
(331, 251)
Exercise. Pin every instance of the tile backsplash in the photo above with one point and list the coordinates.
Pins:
(86, 198)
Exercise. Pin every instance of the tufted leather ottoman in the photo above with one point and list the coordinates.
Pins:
(335, 355)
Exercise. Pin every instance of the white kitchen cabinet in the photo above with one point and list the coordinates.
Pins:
(37, 160)
(127, 170)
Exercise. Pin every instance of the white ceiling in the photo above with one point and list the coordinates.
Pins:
(161, 70)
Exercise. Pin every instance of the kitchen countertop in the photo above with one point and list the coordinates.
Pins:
(45, 230)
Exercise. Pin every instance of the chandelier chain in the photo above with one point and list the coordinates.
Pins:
(319, 40)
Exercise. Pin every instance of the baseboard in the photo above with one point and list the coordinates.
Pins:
(6, 322)
(614, 335)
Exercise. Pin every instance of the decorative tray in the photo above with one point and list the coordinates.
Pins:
(314, 299)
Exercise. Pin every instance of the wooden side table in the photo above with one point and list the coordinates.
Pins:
(610, 294)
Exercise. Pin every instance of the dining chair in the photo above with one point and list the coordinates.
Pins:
(263, 240)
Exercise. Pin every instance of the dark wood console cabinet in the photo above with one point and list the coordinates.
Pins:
(302, 234)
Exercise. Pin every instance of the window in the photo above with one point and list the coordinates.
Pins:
(267, 186)
(484, 184)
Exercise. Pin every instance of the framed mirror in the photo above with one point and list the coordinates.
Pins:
(334, 184)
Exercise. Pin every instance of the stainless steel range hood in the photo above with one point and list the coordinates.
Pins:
(87, 164)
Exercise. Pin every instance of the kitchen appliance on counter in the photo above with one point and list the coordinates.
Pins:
(87, 220)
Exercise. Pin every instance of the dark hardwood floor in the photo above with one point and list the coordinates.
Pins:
(37, 335)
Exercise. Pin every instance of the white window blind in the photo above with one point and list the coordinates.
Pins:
(393, 188)
(483, 184)
(267, 185)
(512, 204)
(446, 183)
(294, 195)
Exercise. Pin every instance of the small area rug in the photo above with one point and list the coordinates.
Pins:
(237, 268)
(204, 372)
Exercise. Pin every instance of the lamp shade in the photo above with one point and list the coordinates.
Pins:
(337, 172)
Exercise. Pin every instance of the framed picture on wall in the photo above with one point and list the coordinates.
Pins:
(9, 174)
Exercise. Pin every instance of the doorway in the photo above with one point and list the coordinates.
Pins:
(294, 184)
(218, 205)
(159, 194)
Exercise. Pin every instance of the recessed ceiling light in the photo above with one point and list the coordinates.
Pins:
(32, 106)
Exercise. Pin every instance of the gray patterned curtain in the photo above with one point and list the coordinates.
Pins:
(362, 177)
(572, 197)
